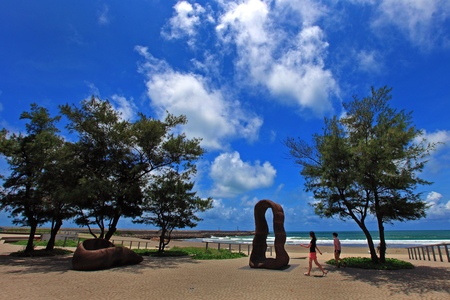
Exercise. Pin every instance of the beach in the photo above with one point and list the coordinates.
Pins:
(185, 278)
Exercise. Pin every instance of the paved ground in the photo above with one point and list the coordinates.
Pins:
(184, 278)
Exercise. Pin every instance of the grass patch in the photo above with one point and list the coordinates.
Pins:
(40, 253)
(195, 252)
(59, 243)
(366, 263)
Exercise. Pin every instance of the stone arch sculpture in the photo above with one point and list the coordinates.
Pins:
(97, 254)
(258, 256)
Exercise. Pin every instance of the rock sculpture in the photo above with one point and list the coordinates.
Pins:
(97, 254)
(258, 256)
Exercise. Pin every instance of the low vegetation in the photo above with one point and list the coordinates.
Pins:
(195, 252)
(58, 243)
(40, 253)
(366, 263)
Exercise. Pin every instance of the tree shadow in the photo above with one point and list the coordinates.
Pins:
(421, 280)
(63, 264)
(26, 265)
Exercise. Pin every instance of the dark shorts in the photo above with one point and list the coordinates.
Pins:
(337, 251)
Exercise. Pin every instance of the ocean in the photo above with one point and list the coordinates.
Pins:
(394, 238)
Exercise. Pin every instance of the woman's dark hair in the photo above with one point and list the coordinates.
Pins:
(311, 234)
(335, 234)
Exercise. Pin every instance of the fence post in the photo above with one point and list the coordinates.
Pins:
(446, 251)
(78, 242)
(248, 249)
(434, 254)
(146, 245)
(218, 246)
(131, 243)
(239, 248)
(229, 247)
(65, 240)
(440, 254)
(139, 244)
(122, 243)
(206, 247)
(409, 255)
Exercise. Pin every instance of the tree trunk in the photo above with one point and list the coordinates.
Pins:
(161, 239)
(380, 229)
(112, 228)
(373, 253)
(54, 231)
(382, 239)
(33, 226)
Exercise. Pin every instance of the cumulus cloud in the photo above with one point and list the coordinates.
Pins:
(439, 159)
(295, 72)
(438, 209)
(127, 108)
(211, 116)
(185, 21)
(421, 21)
(233, 176)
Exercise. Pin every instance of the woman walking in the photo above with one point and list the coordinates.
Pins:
(312, 254)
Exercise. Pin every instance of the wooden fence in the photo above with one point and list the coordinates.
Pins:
(429, 252)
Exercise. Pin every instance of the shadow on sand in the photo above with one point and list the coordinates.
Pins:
(63, 264)
(421, 280)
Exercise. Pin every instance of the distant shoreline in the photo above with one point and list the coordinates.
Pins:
(151, 233)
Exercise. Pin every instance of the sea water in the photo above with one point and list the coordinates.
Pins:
(393, 238)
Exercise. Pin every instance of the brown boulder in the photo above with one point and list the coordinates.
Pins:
(97, 254)
(258, 256)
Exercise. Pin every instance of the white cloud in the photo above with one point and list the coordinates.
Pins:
(233, 176)
(369, 61)
(210, 115)
(439, 159)
(103, 18)
(231, 214)
(124, 106)
(437, 208)
(247, 202)
(185, 21)
(421, 21)
(440, 136)
(294, 73)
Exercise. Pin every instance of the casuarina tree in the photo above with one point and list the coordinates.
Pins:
(170, 203)
(29, 156)
(366, 163)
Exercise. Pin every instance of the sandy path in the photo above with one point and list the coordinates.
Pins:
(184, 278)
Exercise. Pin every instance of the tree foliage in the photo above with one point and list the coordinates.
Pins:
(170, 203)
(117, 156)
(366, 163)
(29, 157)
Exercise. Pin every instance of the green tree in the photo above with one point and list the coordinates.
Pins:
(117, 156)
(28, 157)
(366, 163)
(170, 203)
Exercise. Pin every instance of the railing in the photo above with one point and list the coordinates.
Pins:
(269, 247)
(414, 252)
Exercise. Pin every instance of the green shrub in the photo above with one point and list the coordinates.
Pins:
(195, 252)
(59, 243)
(40, 253)
(366, 263)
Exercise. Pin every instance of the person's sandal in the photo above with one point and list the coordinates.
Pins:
(306, 274)
(324, 274)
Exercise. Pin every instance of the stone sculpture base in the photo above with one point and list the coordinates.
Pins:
(258, 256)
(97, 254)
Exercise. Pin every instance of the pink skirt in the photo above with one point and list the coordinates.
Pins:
(312, 255)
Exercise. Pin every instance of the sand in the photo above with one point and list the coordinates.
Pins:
(185, 278)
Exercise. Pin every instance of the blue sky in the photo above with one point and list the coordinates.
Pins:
(247, 74)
